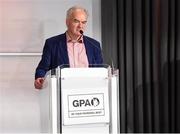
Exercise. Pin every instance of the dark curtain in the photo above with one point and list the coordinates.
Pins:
(142, 39)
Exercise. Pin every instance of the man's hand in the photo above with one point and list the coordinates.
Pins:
(38, 83)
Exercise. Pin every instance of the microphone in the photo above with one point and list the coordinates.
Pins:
(81, 32)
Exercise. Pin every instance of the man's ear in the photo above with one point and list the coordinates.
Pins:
(67, 22)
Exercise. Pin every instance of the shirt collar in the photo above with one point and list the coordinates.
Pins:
(80, 40)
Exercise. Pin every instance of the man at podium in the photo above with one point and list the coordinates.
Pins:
(71, 48)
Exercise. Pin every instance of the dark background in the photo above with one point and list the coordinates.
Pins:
(142, 39)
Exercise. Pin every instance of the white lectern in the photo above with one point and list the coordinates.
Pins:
(82, 100)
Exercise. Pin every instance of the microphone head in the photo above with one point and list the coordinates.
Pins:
(81, 31)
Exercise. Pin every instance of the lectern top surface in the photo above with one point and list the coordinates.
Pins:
(84, 72)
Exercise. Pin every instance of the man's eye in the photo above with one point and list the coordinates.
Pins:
(84, 22)
(76, 21)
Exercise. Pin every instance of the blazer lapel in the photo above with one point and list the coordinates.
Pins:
(88, 50)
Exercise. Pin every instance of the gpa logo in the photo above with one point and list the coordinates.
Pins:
(86, 102)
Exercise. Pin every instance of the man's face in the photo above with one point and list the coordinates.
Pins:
(76, 22)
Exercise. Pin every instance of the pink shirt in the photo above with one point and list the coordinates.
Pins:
(76, 53)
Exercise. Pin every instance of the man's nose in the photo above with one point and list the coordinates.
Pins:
(80, 24)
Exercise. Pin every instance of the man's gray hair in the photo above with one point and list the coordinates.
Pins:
(74, 8)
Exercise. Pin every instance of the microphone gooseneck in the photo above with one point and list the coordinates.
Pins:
(91, 42)
(81, 32)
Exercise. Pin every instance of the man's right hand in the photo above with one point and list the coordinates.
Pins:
(38, 83)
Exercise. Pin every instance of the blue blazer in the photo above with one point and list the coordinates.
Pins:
(55, 53)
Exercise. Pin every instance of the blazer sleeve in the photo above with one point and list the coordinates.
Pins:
(44, 64)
